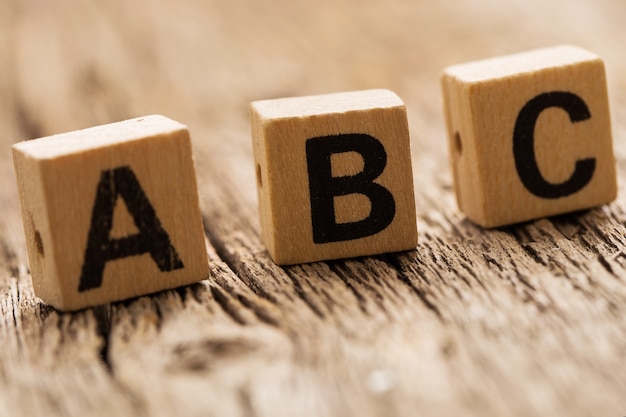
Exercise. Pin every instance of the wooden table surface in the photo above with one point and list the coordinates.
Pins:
(518, 321)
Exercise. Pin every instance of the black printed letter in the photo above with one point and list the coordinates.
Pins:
(151, 237)
(524, 152)
(324, 187)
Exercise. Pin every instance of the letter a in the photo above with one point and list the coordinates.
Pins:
(152, 238)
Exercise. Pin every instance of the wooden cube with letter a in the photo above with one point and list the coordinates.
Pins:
(110, 212)
(529, 135)
(334, 176)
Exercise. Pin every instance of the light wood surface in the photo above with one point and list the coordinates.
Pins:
(333, 175)
(518, 321)
(529, 135)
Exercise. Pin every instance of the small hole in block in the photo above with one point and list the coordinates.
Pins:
(458, 145)
(38, 243)
(259, 177)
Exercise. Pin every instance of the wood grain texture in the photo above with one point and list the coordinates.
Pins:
(529, 135)
(523, 320)
(334, 176)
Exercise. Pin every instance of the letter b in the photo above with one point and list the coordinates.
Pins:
(334, 176)
(324, 187)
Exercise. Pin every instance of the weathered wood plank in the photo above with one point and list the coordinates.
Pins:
(482, 301)
(523, 320)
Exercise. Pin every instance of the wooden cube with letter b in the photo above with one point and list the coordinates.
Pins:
(529, 135)
(111, 212)
(334, 176)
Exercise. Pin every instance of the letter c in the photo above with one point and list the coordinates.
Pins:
(524, 152)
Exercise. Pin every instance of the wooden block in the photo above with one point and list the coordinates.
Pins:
(529, 135)
(334, 176)
(111, 212)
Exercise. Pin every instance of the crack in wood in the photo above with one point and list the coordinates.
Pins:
(242, 269)
(360, 298)
(398, 263)
(303, 296)
(227, 305)
(102, 315)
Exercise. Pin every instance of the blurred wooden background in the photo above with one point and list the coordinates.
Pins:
(520, 321)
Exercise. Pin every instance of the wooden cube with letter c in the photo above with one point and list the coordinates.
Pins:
(529, 135)
(111, 212)
(334, 176)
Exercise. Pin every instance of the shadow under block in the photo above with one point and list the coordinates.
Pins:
(529, 135)
(111, 212)
(334, 176)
